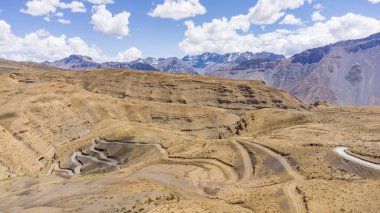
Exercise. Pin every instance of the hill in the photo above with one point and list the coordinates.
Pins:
(342, 73)
(137, 141)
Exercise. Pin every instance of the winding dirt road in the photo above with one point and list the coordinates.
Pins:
(102, 156)
(229, 172)
(342, 151)
(78, 165)
(231, 175)
(295, 200)
(247, 162)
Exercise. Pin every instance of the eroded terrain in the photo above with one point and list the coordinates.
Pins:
(126, 141)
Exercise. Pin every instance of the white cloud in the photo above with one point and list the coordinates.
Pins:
(42, 33)
(374, 1)
(42, 46)
(5, 30)
(64, 21)
(270, 11)
(218, 36)
(113, 25)
(178, 9)
(47, 18)
(59, 14)
(74, 6)
(317, 6)
(41, 7)
(128, 55)
(101, 1)
(290, 19)
(264, 12)
(48, 8)
(316, 16)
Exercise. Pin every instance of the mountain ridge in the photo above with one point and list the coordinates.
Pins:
(340, 73)
(189, 64)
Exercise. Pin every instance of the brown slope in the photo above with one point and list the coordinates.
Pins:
(47, 116)
(42, 108)
(233, 95)
(41, 117)
(7, 67)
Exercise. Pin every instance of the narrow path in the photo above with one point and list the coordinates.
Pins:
(289, 169)
(297, 204)
(342, 151)
(57, 168)
(296, 201)
(78, 165)
(102, 156)
(157, 145)
(247, 162)
(79, 154)
(229, 172)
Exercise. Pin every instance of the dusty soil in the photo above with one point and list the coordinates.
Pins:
(132, 141)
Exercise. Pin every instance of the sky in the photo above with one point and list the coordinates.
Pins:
(125, 30)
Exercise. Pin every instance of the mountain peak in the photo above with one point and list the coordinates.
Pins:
(375, 36)
(79, 58)
(78, 62)
(315, 55)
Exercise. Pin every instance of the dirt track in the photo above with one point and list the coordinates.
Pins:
(289, 187)
(342, 151)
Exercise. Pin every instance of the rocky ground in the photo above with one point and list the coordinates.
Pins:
(127, 141)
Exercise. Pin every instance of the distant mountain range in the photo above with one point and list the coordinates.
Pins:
(197, 64)
(344, 73)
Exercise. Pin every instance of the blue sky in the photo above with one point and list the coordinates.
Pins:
(157, 28)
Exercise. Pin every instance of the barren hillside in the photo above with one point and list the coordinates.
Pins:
(133, 141)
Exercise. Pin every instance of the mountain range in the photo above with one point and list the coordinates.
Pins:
(197, 64)
(344, 73)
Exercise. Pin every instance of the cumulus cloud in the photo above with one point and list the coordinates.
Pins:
(47, 7)
(270, 11)
(41, 7)
(263, 13)
(113, 25)
(218, 36)
(374, 1)
(101, 1)
(41, 46)
(129, 55)
(178, 9)
(316, 16)
(59, 14)
(290, 19)
(74, 6)
(64, 21)
(317, 6)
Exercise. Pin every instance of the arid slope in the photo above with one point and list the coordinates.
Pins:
(130, 141)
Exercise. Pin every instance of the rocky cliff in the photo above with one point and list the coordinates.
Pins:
(344, 73)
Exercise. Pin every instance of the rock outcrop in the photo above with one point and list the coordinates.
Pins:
(343, 73)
